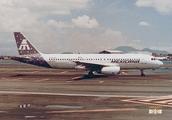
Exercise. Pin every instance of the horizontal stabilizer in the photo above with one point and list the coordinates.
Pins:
(26, 59)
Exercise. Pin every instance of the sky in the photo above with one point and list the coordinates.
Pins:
(85, 26)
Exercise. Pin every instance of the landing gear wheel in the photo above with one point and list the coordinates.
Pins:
(142, 73)
(90, 74)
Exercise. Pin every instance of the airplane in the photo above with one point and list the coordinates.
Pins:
(107, 64)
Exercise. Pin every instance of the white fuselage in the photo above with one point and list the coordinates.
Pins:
(124, 61)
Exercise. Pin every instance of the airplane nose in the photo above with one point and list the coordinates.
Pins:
(160, 63)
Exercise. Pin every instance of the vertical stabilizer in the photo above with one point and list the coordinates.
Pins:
(24, 46)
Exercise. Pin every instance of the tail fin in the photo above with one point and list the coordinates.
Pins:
(24, 46)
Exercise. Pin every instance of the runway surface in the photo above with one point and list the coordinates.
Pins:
(30, 92)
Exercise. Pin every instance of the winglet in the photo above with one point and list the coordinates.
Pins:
(24, 46)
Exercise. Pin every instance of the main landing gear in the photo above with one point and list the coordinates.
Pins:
(142, 72)
(90, 74)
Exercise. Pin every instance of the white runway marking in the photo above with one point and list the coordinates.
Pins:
(151, 99)
(42, 80)
(165, 101)
(28, 72)
(69, 81)
(17, 79)
(56, 73)
(3, 112)
(67, 94)
(124, 73)
(34, 72)
(4, 78)
(101, 82)
(78, 77)
(91, 111)
(63, 72)
(8, 71)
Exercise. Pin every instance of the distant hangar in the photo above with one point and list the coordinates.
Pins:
(111, 52)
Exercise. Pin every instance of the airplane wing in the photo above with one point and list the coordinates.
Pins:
(18, 58)
(94, 65)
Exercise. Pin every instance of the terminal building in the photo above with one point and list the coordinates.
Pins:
(111, 52)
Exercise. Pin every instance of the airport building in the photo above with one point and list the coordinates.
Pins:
(111, 52)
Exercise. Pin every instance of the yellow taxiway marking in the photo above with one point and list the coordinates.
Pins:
(91, 111)
(42, 80)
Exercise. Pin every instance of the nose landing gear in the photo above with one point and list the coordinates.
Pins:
(142, 72)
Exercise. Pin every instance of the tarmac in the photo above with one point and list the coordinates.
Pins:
(31, 92)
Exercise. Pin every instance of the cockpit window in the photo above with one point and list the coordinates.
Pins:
(153, 59)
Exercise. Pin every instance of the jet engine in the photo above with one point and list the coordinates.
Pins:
(110, 70)
(80, 67)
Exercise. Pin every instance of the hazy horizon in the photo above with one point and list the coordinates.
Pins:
(86, 25)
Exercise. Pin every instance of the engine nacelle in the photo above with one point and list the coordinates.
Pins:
(80, 67)
(110, 70)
